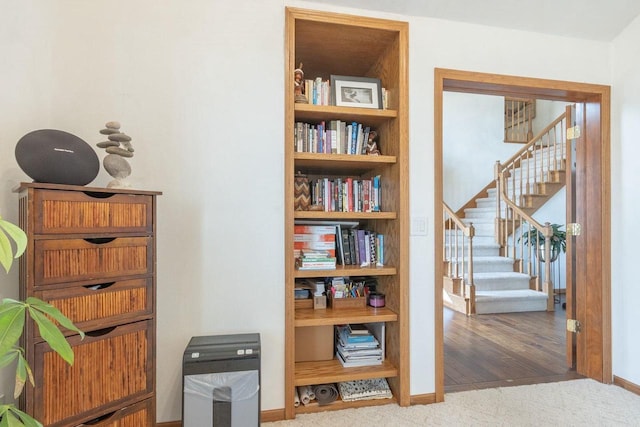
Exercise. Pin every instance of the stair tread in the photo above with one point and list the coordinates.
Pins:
(500, 275)
(510, 294)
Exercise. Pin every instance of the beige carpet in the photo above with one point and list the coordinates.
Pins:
(569, 403)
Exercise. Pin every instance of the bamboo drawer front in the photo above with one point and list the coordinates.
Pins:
(111, 367)
(136, 415)
(65, 212)
(93, 306)
(64, 260)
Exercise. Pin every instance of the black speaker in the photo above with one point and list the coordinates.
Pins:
(58, 157)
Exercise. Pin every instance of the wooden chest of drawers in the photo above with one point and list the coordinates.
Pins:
(91, 254)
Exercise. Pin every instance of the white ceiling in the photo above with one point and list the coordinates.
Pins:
(588, 19)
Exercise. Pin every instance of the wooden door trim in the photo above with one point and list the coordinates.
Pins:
(598, 97)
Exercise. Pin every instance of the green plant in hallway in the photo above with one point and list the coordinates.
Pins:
(536, 239)
(12, 321)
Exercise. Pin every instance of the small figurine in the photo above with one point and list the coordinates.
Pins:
(298, 82)
(372, 145)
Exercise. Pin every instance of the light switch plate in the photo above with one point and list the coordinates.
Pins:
(419, 226)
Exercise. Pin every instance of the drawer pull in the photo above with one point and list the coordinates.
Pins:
(101, 332)
(99, 287)
(100, 240)
(99, 419)
(98, 195)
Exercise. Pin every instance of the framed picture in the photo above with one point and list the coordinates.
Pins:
(361, 92)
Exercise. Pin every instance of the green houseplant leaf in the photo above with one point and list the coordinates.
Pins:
(54, 313)
(12, 417)
(52, 335)
(12, 322)
(9, 230)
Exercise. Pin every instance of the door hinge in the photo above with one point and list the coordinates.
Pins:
(574, 326)
(574, 229)
(573, 132)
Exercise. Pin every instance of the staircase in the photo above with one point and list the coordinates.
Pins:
(486, 271)
(499, 287)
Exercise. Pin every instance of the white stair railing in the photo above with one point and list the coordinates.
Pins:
(458, 258)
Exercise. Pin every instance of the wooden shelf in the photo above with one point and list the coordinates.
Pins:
(349, 270)
(368, 116)
(332, 371)
(343, 216)
(339, 404)
(319, 163)
(328, 316)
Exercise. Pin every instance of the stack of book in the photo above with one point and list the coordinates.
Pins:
(357, 346)
(315, 260)
(315, 247)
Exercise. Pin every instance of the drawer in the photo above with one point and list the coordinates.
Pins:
(72, 212)
(68, 260)
(94, 305)
(138, 415)
(111, 367)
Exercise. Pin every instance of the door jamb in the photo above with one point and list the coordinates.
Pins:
(599, 364)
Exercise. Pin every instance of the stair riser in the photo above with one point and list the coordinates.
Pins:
(501, 283)
(490, 267)
(493, 307)
(480, 251)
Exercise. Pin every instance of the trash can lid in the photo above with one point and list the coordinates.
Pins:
(217, 347)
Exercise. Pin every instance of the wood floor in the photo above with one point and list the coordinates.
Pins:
(498, 350)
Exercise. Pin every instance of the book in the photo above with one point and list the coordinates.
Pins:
(358, 329)
(346, 247)
(339, 245)
(356, 363)
(313, 229)
(362, 251)
(355, 248)
(316, 254)
(380, 250)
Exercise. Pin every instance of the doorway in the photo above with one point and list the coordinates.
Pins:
(592, 271)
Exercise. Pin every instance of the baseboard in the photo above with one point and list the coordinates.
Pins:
(273, 415)
(265, 417)
(422, 399)
(627, 385)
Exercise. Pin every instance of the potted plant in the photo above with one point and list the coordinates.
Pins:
(534, 238)
(12, 321)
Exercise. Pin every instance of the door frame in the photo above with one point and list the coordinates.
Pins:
(594, 342)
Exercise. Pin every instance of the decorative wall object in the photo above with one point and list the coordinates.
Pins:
(118, 146)
(301, 195)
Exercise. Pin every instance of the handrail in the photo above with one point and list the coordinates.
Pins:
(516, 219)
(536, 162)
(458, 257)
(536, 138)
(519, 181)
(456, 220)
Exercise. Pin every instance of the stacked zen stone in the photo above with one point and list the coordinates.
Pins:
(118, 146)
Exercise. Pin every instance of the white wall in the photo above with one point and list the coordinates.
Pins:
(198, 85)
(625, 175)
(472, 142)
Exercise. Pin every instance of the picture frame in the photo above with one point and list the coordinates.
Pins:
(358, 92)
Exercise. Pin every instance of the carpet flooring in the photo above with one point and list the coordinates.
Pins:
(582, 402)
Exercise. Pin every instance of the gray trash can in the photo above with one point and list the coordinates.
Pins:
(221, 381)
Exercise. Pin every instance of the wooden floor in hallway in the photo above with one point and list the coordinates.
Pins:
(498, 350)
